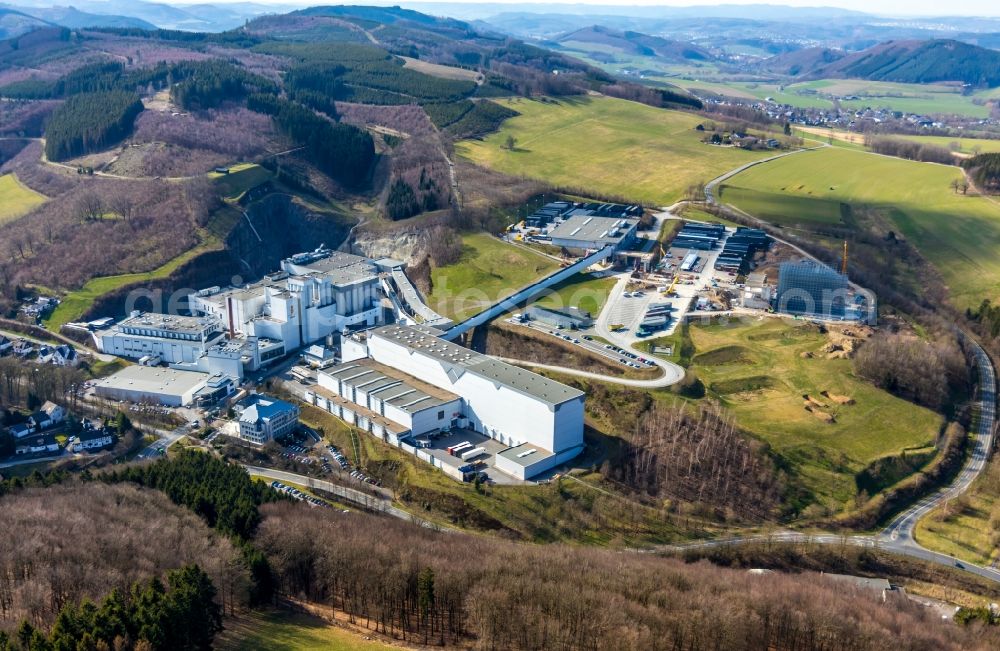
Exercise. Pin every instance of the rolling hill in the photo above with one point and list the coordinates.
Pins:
(635, 43)
(75, 19)
(13, 23)
(905, 61)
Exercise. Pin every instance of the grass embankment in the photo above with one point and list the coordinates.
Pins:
(967, 527)
(488, 270)
(580, 290)
(285, 631)
(16, 199)
(606, 146)
(566, 510)
(75, 304)
(955, 232)
(241, 178)
(758, 371)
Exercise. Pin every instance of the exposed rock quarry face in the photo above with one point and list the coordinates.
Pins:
(403, 246)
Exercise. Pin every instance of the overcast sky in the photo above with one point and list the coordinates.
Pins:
(882, 7)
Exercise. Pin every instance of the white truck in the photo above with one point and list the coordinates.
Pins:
(473, 453)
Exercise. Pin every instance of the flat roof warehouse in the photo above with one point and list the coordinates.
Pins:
(594, 229)
(428, 342)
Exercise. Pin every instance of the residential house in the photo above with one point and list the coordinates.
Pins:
(64, 355)
(6, 345)
(39, 421)
(93, 439)
(40, 444)
(23, 347)
(56, 413)
(20, 430)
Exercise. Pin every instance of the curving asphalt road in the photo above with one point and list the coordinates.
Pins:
(900, 529)
(664, 380)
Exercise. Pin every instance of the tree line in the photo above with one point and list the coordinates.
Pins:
(343, 151)
(922, 371)
(90, 121)
(475, 592)
(985, 171)
(179, 616)
(910, 150)
(703, 458)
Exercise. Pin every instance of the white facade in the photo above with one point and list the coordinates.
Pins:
(174, 339)
(157, 385)
(265, 419)
(315, 295)
(509, 404)
(93, 440)
(390, 396)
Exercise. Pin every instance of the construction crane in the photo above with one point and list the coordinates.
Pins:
(670, 289)
(843, 260)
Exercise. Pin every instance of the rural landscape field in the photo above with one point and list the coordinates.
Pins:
(609, 146)
(263, 386)
(956, 231)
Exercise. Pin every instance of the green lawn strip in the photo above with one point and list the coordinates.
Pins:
(286, 631)
(489, 270)
(16, 198)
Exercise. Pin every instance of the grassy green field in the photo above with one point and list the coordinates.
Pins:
(959, 234)
(241, 177)
(284, 631)
(488, 270)
(757, 371)
(16, 199)
(584, 511)
(76, 303)
(606, 146)
(582, 290)
(967, 527)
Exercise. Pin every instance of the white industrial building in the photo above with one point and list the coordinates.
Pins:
(435, 384)
(163, 386)
(384, 401)
(314, 295)
(189, 343)
(173, 339)
(583, 232)
(241, 329)
(263, 419)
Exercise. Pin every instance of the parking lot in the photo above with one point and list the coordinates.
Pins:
(440, 442)
(586, 339)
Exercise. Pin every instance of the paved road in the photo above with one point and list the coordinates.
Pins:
(672, 373)
(160, 445)
(872, 542)
(711, 185)
(900, 530)
(664, 380)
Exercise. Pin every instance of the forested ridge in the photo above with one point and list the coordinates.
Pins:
(343, 151)
(90, 121)
(449, 589)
